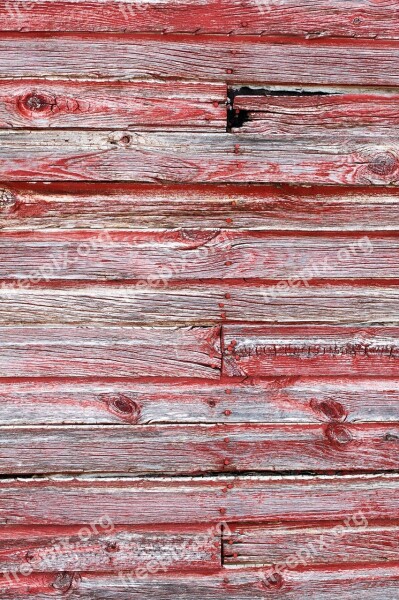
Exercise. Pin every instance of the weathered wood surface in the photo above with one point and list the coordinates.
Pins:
(363, 583)
(322, 18)
(61, 155)
(197, 449)
(103, 105)
(336, 544)
(102, 547)
(319, 350)
(157, 257)
(109, 352)
(337, 114)
(143, 206)
(162, 302)
(196, 500)
(219, 58)
(290, 400)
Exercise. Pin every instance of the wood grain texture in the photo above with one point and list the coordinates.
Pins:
(218, 58)
(167, 303)
(106, 351)
(60, 155)
(103, 105)
(155, 258)
(305, 18)
(367, 583)
(102, 547)
(284, 400)
(358, 542)
(196, 500)
(284, 350)
(193, 449)
(337, 114)
(248, 206)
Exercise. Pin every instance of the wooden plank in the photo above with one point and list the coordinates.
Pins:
(358, 542)
(102, 547)
(220, 58)
(167, 303)
(143, 206)
(103, 105)
(339, 114)
(61, 155)
(109, 351)
(322, 18)
(280, 400)
(363, 583)
(197, 449)
(196, 500)
(157, 257)
(306, 18)
(319, 350)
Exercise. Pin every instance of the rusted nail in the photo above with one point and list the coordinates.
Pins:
(227, 413)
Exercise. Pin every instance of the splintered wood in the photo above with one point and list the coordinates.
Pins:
(199, 299)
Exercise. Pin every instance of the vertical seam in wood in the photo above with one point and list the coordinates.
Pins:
(221, 333)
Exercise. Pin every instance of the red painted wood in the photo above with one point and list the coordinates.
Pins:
(157, 257)
(141, 206)
(60, 155)
(365, 582)
(335, 544)
(340, 114)
(209, 58)
(104, 547)
(134, 105)
(318, 18)
(193, 450)
(146, 501)
(106, 351)
(267, 351)
(284, 400)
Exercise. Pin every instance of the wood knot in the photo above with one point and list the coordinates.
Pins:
(273, 580)
(391, 437)
(7, 199)
(65, 581)
(124, 407)
(338, 435)
(383, 164)
(332, 409)
(36, 103)
(30, 556)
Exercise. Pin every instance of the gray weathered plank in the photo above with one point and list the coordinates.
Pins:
(135, 501)
(196, 449)
(109, 351)
(280, 400)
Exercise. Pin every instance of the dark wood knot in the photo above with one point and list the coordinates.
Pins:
(338, 435)
(333, 410)
(273, 581)
(383, 164)
(36, 103)
(124, 407)
(65, 581)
